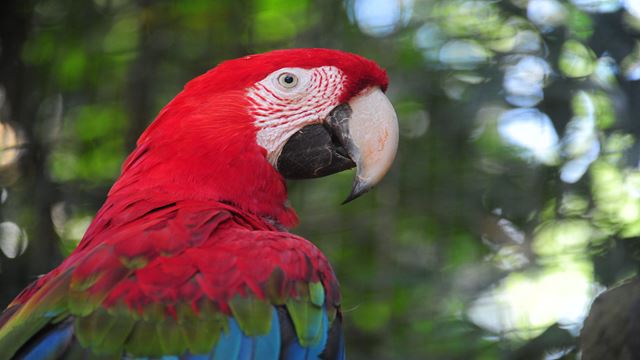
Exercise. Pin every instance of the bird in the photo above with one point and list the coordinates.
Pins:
(190, 256)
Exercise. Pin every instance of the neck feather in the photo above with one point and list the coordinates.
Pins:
(191, 154)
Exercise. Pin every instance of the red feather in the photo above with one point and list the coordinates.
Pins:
(198, 211)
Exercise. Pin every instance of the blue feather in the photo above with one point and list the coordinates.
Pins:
(297, 352)
(228, 346)
(197, 357)
(315, 351)
(246, 348)
(261, 347)
(341, 351)
(268, 346)
(53, 345)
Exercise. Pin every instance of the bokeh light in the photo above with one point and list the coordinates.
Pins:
(598, 6)
(10, 144)
(524, 81)
(532, 131)
(382, 17)
(13, 239)
(546, 14)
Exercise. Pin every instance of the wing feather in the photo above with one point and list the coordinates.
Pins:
(187, 279)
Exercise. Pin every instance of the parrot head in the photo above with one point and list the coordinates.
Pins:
(236, 132)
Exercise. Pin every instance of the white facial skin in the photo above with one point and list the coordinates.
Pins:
(289, 99)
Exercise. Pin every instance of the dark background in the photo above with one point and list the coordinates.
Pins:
(514, 200)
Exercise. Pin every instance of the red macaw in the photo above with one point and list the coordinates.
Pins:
(190, 256)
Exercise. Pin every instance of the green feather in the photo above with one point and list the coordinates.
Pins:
(153, 312)
(80, 285)
(91, 329)
(171, 338)
(82, 300)
(252, 314)
(201, 337)
(201, 331)
(144, 340)
(42, 308)
(121, 324)
(307, 320)
(316, 293)
(82, 303)
(78, 352)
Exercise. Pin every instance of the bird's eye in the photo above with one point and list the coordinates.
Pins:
(288, 80)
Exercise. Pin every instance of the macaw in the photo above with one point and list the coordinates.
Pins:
(190, 256)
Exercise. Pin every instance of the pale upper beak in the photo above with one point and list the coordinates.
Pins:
(362, 132)
(374, 131)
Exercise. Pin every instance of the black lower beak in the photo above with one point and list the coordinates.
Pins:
(317, 150)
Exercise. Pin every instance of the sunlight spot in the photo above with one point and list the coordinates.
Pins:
(532, 131)
(580, 142)
(633, 7)
(633, 72)
(631, 65)
(382, 17)
(546, 14)
(629, 212)
(598, 6)
(605, 72)
(10, 143)
(615, 198)
(510, 258)
(463, 54)
(527, 41)
(76, 227)
(573, 204)
(415, 123)
(13, 240)
(429, 40)
(524, 304)
(454, 88)
(69, 227)
(562, 238)
(524, 81)
(576, 59)
(632, 184)
(574, 169)
(428, 37)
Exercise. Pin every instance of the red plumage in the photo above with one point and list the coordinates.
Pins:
(199, 215)
(222, 253)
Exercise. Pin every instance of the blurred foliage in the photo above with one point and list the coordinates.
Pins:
(515, 198)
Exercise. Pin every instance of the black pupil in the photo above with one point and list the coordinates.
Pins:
(288, 79)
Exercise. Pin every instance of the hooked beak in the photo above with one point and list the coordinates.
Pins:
(362, 133)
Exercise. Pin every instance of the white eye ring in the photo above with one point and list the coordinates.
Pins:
(287, 80)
